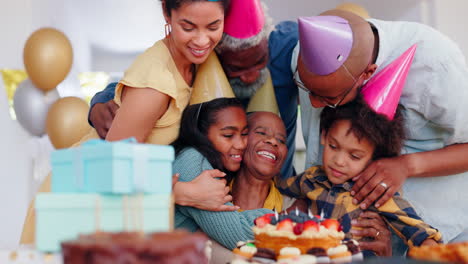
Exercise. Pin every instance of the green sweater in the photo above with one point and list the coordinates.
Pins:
(227, 228)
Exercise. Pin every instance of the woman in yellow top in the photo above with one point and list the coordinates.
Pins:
(156, 89)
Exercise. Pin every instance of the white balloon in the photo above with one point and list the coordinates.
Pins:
(31, 106)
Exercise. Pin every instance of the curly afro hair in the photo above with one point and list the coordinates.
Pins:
(386, 135)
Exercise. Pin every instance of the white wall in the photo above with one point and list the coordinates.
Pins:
(450, 17)
(15, 160)
(387, 10)
(111, 51)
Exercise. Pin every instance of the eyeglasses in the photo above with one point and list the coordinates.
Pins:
(323, 99)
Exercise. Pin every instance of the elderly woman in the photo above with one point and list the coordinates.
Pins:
(253, 187)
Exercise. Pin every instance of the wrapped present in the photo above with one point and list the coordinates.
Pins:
(121, 167)
(62, 216)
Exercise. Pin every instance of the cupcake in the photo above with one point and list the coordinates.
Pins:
(339, 254)
(289, 252)
(353, 247)
(245, 250)
(320, 254)
(264, 256)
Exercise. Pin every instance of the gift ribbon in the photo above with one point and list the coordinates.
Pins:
(140, 163)
(97, 214)
(132, 213)
(140, 167)
(78, 168)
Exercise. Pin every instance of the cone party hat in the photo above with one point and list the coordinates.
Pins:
(325, 41)
(264, 99)
(210, 82)
(382, 92)
(244, 19)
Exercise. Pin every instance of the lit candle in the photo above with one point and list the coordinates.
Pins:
(297, 211)
(276, 215)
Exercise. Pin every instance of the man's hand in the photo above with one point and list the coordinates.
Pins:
(371, 225)
(381, 179)
(102, 115)
(205, 192)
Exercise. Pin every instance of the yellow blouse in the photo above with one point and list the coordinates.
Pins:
(156, 69)
(274, 200)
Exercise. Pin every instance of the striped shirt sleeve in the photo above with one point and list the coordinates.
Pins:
(402, 218)
(298, 186)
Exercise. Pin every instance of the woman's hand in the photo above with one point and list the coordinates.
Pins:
(381, 179)
(204, 192)
(371, 225)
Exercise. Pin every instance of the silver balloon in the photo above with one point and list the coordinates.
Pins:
(31, 106)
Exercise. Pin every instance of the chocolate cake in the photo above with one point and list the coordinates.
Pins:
(136, 248)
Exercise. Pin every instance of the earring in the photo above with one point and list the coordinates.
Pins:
(167, 29)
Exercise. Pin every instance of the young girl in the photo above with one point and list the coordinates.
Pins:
(353, 135)
(213, 135)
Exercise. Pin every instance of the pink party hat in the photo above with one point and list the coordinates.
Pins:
(382, 92)
(244, 19)
(326, 42)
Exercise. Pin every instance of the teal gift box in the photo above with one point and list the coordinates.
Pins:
(120, 167)
(62, 217)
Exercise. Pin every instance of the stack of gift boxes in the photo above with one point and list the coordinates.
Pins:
(105, 186)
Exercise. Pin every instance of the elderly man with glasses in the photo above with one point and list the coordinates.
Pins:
(332, 63)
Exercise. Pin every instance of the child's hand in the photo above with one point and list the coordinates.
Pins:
(381, 179)
(371, 225)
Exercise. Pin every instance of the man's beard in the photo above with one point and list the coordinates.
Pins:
(243, 90)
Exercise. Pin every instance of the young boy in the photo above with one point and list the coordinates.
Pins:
(352, 136)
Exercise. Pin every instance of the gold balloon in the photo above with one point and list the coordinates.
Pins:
(48, 57)
(67, 121)
(353, 8)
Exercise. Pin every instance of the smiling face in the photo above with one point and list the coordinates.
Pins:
(247, 64)
(342, 86)
(266, 147)
(196, 29)
(229, 136)
(344, 155)
(338, 87)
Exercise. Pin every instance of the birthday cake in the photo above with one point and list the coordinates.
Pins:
(298, 230)
(136, 248)
(297, 238)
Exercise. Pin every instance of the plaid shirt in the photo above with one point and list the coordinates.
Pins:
(335, 201)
